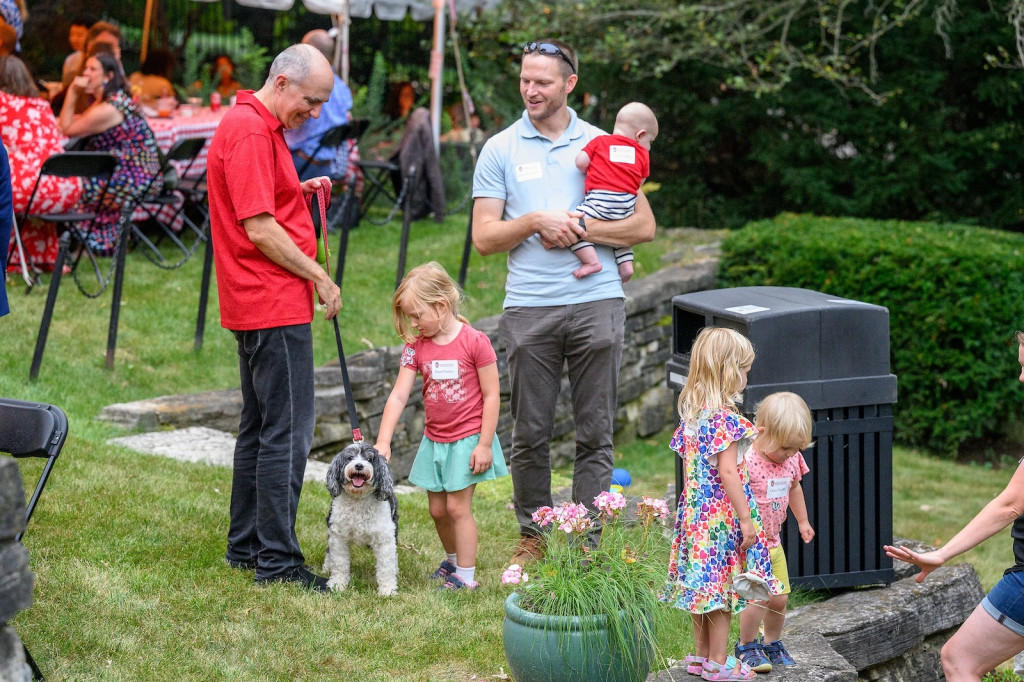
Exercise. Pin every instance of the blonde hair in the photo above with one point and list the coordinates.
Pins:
(715, 379)
(786, 420)
(1020, 337)
(425, 286)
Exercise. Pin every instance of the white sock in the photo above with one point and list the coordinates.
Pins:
(466, 574)
(451, 558)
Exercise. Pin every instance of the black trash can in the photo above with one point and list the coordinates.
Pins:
(834, 353)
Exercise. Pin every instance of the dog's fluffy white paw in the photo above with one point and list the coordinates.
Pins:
(337, 585)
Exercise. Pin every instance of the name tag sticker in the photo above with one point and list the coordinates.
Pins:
(528, 171)
(621, 153)
(444, 369)
(778, 487)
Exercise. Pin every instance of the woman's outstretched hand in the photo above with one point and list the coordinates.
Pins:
(927, 562)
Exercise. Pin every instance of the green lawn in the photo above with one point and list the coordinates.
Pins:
(127, 549)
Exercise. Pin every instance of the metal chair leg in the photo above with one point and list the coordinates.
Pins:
(37, 674)
(204, 292)
(51, 300)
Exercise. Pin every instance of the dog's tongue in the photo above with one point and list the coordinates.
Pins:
(358, 481)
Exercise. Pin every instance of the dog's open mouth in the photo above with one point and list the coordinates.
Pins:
(358, 480)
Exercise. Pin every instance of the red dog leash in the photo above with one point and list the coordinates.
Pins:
(318, 202)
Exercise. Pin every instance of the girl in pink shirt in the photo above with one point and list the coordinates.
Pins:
(775, 467)
(461, 400)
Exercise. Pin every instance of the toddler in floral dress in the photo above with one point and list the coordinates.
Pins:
(718, 532)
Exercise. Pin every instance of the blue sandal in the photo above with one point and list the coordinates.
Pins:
(753, 655)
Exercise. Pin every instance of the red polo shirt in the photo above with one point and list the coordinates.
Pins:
(250, 171)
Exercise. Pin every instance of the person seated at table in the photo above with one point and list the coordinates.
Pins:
(8, 39)
(14, 13)
(30, 133)
(77, 33)
(152, 81)
(113, 123)
(304, 140)
(102, 37)
(222, 73)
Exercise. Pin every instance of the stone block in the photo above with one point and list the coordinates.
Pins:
(12, 499)
(16, 580)
(13, 666)
(870, 626)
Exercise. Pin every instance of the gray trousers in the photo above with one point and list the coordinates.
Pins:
(539, 342)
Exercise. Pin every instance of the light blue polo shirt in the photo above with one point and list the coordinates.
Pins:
(530, 172)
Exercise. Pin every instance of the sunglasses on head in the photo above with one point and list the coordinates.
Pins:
(548, 50)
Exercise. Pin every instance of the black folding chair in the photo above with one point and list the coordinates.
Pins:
(29, 429)
(170, 186)
(335, 138)
(78, 220)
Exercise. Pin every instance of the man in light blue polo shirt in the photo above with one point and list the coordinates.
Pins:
(303, 141)
(526, 188)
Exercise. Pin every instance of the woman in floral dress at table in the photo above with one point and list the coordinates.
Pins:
(113, 123)
(30, 134)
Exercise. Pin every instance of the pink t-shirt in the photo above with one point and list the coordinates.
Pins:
(452, 398)
(770, 483)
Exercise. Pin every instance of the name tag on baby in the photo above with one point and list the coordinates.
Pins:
(622, 153)
(528, 171)
(778, 487)
(444, 369)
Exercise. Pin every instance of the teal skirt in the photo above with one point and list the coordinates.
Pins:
(444, 467)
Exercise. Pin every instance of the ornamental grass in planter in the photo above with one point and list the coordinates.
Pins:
(588, 610)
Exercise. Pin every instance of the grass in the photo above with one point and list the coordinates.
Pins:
(127, 548)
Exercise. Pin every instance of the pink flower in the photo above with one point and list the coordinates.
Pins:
(514, 575)
(648, 508)
(544, 516)
(572, 518)
(609, 503)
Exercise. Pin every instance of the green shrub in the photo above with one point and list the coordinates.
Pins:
(955, 295)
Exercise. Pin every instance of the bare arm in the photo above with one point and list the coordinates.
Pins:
(635, 229)
(583, 161)
(393, 409)
(728, 469)
(799, 506)
(995, 516)
(482, 457)
(97, 118)
(492, 235)
(273, 242)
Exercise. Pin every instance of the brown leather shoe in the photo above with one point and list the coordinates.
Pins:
(529, 549)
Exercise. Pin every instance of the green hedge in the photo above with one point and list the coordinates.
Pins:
(955, 296)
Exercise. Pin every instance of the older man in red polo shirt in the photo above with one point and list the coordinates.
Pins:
(265, 248)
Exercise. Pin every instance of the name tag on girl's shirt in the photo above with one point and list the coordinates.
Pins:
(444, 369)
(778, 487)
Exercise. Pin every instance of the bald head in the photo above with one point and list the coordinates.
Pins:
(299, 82)
(298, 63)
(321, 40)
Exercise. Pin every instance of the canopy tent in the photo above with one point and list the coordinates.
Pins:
(342, 11)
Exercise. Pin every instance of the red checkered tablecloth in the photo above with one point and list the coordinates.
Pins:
(168, 131)
(202, 123)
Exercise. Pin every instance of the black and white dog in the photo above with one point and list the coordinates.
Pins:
(364, 511)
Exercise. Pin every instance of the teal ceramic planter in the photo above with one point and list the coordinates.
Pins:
(542, 648)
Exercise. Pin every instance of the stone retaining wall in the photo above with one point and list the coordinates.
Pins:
(646, 404)
(875, 634)
(16, 580)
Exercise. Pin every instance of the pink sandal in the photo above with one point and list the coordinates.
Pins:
(730, 671)
(694, 665)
